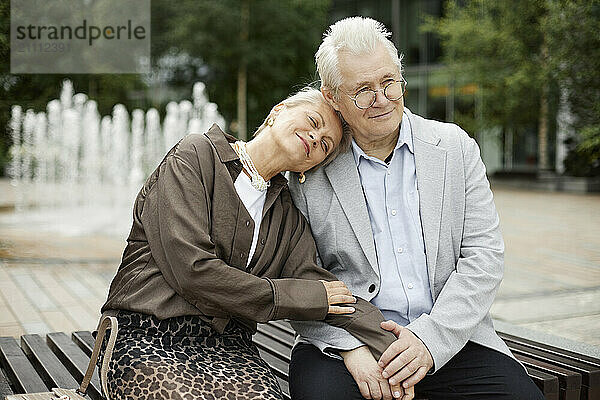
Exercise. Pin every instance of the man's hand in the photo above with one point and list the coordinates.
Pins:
(364, 369)
(407, 360)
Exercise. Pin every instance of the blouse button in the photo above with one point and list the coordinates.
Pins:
(247, 223)
(262, 241)
(372, 288)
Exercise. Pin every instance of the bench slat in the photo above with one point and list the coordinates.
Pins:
(74, 360)
(18, 368)
(276, 334)
(280, 350)
(85, 341)
(590, 374)
(550, 349)
(567, 378)
(283, 326)
(590, 393)
(285, 388)
(569, 381)
(280, 368)
(571, 394)
(5, 389)
(48, 366)
(547, 383)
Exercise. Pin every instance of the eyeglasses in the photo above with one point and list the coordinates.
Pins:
(392, 91)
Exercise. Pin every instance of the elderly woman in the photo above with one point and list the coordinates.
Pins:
(216, 246)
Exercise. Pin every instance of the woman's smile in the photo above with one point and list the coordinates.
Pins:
(305, 143)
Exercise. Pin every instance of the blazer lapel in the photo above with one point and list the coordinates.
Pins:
(430, 163)
(343, 176)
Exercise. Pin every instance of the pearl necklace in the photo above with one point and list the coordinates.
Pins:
(257, 181)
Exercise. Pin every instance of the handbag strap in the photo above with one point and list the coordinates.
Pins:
(107, 322)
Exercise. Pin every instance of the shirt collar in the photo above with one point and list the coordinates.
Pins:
(220, 140)
(405, 136)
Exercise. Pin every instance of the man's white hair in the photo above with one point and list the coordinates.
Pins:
(356, 35)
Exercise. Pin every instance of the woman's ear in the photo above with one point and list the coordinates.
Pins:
(329, 97)
(277, 109)
(274, 113)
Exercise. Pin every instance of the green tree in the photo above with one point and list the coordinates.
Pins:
(270, 42)
(574, 46)
(522, 55)
(500, 47)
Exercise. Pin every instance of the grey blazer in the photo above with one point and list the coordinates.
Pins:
(463, 243)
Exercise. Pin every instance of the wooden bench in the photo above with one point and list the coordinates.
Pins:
(35, 364)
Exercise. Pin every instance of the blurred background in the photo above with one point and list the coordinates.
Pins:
(520, 76)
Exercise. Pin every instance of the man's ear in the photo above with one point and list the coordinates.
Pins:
(328, 94)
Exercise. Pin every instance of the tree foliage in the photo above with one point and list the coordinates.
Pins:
(573, 28)
(279, 52)
(520, 52)
(497, 46)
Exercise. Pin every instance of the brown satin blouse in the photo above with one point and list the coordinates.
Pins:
(188, 247)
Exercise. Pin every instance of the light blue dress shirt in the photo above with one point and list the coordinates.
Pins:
(393, 204)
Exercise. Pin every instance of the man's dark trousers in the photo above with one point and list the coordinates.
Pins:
(476, 372)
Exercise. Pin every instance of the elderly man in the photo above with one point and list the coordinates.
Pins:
(405, 217)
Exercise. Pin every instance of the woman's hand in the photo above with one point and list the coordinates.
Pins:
(364, 369)
(338, 293)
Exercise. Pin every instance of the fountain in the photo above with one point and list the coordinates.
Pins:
(77, 173)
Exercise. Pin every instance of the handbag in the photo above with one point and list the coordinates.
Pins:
(79, 394)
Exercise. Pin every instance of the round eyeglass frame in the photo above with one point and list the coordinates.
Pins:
(402, 81)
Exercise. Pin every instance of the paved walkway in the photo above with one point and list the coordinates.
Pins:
(50, 282)
(552, 275)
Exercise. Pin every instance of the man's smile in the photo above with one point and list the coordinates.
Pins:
(385, 114)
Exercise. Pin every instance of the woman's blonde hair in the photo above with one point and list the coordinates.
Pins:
(310, 95)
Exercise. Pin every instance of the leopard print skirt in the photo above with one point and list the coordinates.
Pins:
(184, 358)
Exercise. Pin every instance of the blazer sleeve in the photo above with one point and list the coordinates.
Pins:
(467, 295)
(364, 323)
(177, 224)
